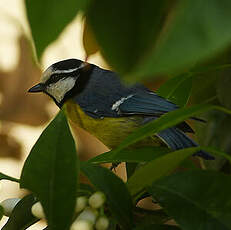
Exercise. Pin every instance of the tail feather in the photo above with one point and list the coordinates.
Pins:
(176, 139)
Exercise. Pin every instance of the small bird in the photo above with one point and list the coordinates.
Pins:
(96, 100)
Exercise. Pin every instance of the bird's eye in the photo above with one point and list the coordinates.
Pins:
(53, 78)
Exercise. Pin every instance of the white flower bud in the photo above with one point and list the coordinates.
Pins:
(8, 205)
(97, 199)
(81, 203)
(102, 223)
(37, 210)
(81, 225)
(88, 214)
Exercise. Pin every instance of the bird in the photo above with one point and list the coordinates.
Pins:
(97, 100)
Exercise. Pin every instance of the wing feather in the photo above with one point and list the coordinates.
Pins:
(147, 103)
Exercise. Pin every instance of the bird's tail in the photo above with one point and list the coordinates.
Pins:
(176, 139)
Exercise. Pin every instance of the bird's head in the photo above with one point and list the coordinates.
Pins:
(63, 79)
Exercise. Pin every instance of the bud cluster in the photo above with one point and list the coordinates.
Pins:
(88, 217)
(87, 211)
(8, 205)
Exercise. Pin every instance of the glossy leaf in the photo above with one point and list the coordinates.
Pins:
(21, 216)
(1, 212)
(195, 31)
(216, 133)
(131, 155)
(165, 121)
(85, 190)
(223, 90)
(130, 169)
(116, 192)
(217, 152)
(126, 30)
(6, 177)
(50, 172)
(206, 93)
(148, 216)
(89, 43)
(156, 227)
(47, 19)
(200, 193)
(156, 169)
(177, 89)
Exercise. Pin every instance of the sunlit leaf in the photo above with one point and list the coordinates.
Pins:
(50, 172)
(156, 169)
(131, 155)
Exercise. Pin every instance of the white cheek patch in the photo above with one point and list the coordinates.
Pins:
(60, 88)
(46, 75)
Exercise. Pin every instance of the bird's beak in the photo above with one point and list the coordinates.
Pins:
(36, 88)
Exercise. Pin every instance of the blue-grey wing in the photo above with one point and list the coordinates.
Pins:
(176, 139)
(146, 103)
(150, 105)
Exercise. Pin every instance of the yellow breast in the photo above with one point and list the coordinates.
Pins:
(110, 131)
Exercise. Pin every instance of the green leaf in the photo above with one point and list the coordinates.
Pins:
(130, 155)
(156, 169)
(177, 89)
(216, 133)
(21, 216)
(116, 192)
(6, 177)
(156, 227)
(1, 212)
(223, 90)
(148, 217)
(130, 169)
(196, 199)
(47, 19)
(85, 190)
(132, 28)
(211, 68)
(165, 121)
(206, 93)
(196, 30)
(217, 152)
(50, 172)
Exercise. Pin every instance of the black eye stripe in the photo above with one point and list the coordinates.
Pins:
(58, 76)
(53, 79)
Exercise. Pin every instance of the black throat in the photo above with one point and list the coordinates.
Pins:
(80, 84)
